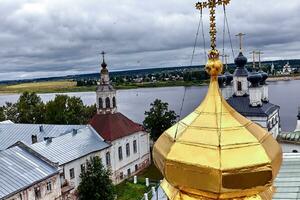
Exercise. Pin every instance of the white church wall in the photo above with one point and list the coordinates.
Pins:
(139, 160)
(75, 166)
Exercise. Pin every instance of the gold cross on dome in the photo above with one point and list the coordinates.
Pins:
(212, 4)
(240, 35)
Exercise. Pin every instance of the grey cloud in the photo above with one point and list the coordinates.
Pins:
(41, 38)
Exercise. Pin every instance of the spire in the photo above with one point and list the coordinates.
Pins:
(214, 152)
(104, 74)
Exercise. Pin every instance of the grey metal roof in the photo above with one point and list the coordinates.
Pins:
(21, 169)
(241, 72)
(71, 146)
(287, 182)
(12, 133)
(242, 105)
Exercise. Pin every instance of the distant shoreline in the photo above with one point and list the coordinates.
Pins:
(70, 86)
(283, 78)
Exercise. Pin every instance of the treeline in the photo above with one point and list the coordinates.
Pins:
(83, 82)
(61, 110)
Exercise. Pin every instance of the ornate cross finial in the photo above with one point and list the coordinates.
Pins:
(212, 4)
(103, 53)
(240, 35)
(259, 53)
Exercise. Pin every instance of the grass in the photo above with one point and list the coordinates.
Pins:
(152, 173)
(130, 191)
(45, 87)
(70, 86)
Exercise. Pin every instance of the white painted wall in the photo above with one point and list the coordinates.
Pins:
(141, 158)
(289, 147)
(103, 95)
(265, 93)
(227, 91)
(29, 194)
(76, 165)
(245, 85)
(255, 95)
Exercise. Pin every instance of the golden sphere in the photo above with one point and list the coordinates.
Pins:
(214, 66)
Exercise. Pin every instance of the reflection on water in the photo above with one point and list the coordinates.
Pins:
(133, 103)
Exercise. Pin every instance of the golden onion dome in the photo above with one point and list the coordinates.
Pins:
(216, 153)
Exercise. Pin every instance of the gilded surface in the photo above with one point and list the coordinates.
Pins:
(216, 153)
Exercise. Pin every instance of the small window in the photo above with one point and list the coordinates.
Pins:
(37, 192)
(134, 146)
(107, 102)
(127, 150)
(82, 167)
(128, 172)
(72, 173)
(100, 103)
(136, 167)
(120, 153)
(114, 102)
(107, 156)
(239, 86)
(49, 186)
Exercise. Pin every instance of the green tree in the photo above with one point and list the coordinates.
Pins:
(10, 112)
(65, 110)
(159, 118)
(68, 110)
(2, 116)
(95, 182)
(30, 108)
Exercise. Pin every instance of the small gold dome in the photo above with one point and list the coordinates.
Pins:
(216, 153)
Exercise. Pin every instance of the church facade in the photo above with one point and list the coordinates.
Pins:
(130, 143)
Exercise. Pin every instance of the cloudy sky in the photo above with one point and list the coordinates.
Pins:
(41, 38)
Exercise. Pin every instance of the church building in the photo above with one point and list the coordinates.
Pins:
(130, 143)
(248, 94)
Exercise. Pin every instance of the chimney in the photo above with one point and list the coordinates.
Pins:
(33, 139)
(41, 128)
(74, 131)
(255, 91)
(49, 140)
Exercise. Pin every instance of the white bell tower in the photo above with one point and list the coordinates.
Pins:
(105, 93)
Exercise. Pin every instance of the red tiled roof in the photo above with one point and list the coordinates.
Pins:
(114, 126)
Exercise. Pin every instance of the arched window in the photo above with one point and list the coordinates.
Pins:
(120, 153)
(107, 102)
(114, 102)
(127, 150)
(108, 162)
(239, 86)
(100, 103)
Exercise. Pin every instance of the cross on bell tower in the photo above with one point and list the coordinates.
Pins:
(105, 93)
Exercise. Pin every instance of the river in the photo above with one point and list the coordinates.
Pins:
(134, 102)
